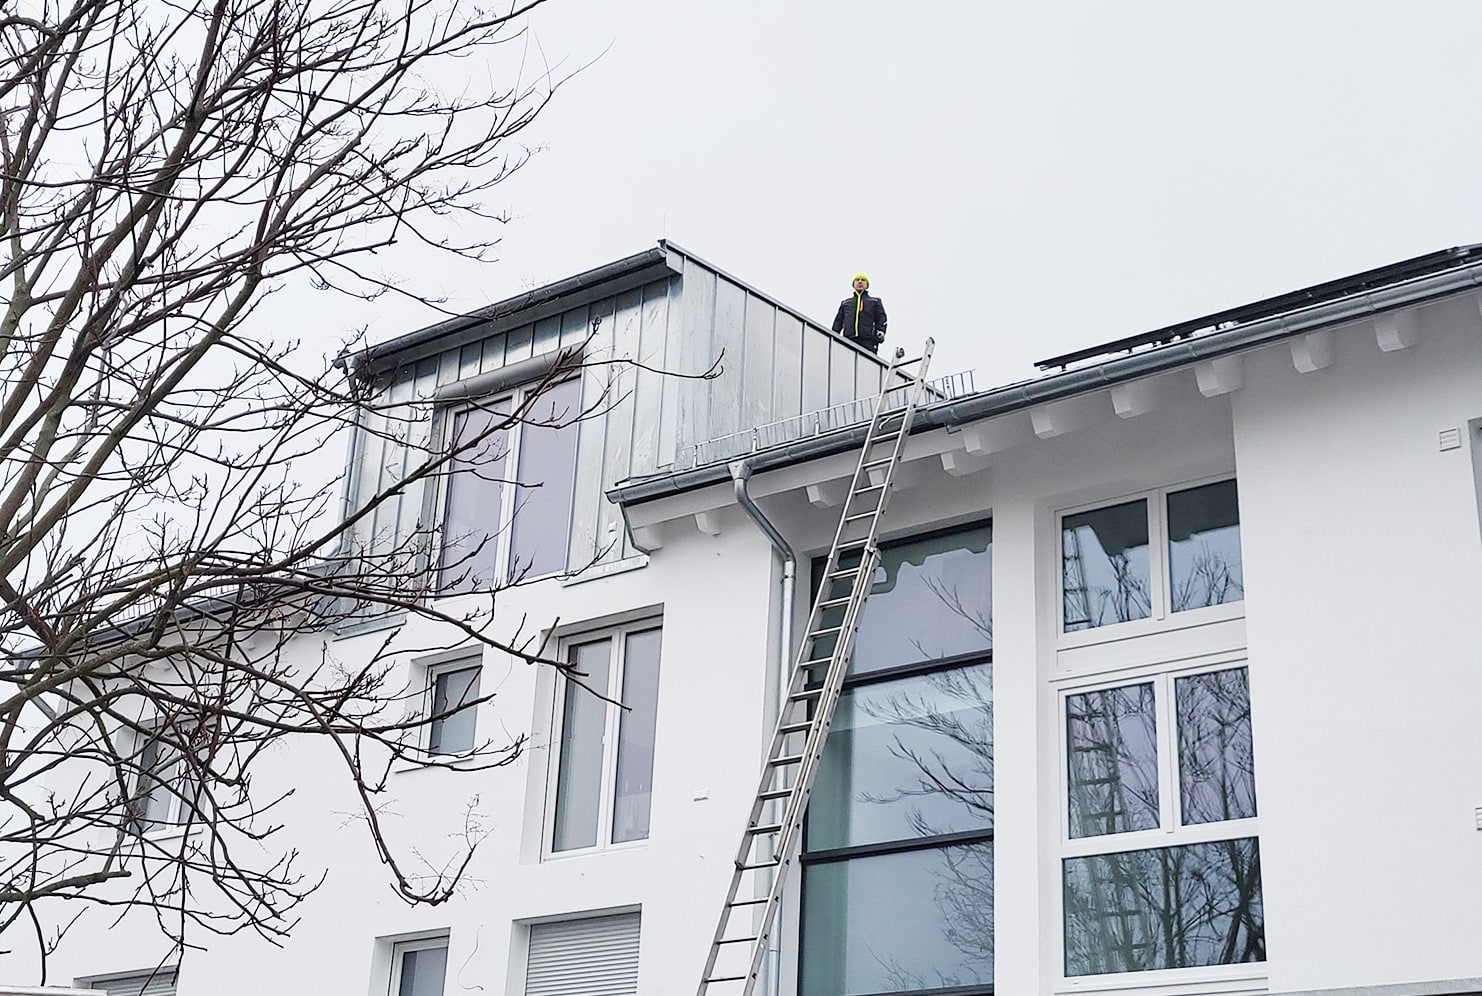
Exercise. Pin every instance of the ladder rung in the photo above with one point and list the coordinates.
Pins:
(740, 866)
(879, 463)
(849, 572)
(775, 794)
(734, 903)
(737, 940)
(794, 728)
(862, 515)
(836, 601)
(787, 759)
(726, 978)
(806, 693)
(765, 828)
(815, 634)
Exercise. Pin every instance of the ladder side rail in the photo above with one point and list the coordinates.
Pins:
(789, 838)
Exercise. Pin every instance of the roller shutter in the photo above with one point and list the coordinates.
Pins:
(597, 956)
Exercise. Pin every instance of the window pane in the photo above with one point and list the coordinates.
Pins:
(635, 760)
(453, 734)
(154, 801)
(422, 972)
(1172, 907)
(899, 922)
(1104, 559)
(1204, 546)
(475, 492)
(579, 774)
(1216, 757)
(931, 598)
(908, 758)
(1112, 744)
(542, 521)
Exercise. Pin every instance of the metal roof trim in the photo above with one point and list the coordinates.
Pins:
(1026, 394)
(650, 264)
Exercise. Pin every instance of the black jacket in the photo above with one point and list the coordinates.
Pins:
(861, 318)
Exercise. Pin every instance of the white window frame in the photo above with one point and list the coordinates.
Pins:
(142, 824)
(1161, 617)
(433, 672)
(399, 951)
(503, 536)
(1170, 831)
(617, 634)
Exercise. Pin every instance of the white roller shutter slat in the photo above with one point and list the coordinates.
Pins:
(597, 956)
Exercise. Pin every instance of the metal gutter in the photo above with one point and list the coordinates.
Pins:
(1027, 394)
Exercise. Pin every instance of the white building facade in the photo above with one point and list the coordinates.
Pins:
(1168, 683)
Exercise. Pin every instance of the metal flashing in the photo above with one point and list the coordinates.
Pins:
(1406, 292)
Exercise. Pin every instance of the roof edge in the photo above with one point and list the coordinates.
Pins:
(1027, 394)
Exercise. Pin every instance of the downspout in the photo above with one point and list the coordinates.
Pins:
(741, 475)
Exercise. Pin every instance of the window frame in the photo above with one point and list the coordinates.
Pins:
(433, 673)
(617, 635)
(1161, 616)
(1171, 831)
(140, 823)
(807, 858)
(503, 534)
(399, 951)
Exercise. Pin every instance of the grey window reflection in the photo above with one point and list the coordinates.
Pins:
(453, 733)
(908, 758)
(1112, 744)
(547, 480)
(579, 772)
(422, 972)
(1172, 907)
(1105, 566)
(1216, 755)
(1204, 546)
(896, 923)
(635, 758)
(932, 598)
(475, 495)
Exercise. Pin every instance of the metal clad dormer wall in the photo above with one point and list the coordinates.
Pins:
(678, 314)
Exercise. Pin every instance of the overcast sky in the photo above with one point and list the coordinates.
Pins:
(1018, 179)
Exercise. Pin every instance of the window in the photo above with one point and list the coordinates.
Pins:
(1162, 867)
(418, 968)
(1108, 572)
(509, 497)
(604, 769)
(596, 955)
(159, 789)
(452, 687)
(898, 859)
(156, 982)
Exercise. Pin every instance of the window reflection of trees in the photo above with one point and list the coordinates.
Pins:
(1174, 907)
(1112, 742)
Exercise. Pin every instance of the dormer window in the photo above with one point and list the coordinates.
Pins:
(508, 499)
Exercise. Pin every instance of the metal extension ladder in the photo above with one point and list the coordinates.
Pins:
(770, 841)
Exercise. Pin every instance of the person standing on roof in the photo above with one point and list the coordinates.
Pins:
(861, 318)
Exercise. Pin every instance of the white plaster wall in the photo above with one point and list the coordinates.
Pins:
(1363, 586)
(713, 592)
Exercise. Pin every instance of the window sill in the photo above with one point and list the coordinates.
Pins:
(627, 846)
(1174, 982)
(373, 624)
(598, 571)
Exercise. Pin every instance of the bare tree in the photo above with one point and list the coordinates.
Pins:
(163, 168)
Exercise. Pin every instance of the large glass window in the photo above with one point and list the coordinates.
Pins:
(420, 967)
(1108, 572)
(898, 861)
(605, 752)
(1163, 864)
(506, 519)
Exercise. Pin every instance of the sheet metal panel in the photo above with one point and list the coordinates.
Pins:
(787, 366)
(518, 343)
(648, 389)
(626, 314)
(760, 369)
(587, 496)
(696, 353)
(840, 373)
(729, 339)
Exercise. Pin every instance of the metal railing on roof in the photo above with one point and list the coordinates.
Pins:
(818, 423)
